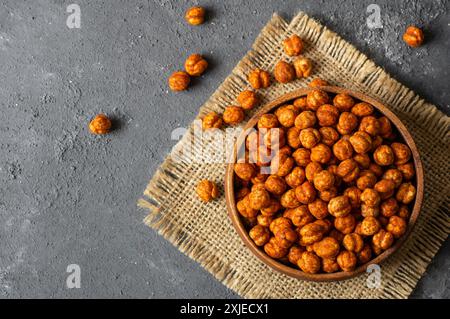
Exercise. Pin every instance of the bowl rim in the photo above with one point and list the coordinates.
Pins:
(297, 273)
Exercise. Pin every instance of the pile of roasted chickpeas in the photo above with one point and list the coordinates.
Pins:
(338, 186)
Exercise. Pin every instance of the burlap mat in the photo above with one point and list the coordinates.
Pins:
(204, 231)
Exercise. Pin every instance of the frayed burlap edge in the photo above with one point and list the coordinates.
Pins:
(362, 74)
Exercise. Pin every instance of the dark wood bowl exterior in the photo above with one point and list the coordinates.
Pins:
(297, 273)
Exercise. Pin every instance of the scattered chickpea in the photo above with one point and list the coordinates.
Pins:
(284, 72)
(100, 124)
(195, 65)
(212, 120)
(318, 82)
(293, 45)
(179, 81)
(413, 36)
(303, 67)
(248, 99)
(195, 15)
(207, 190)
(259, 79)
(233, 115)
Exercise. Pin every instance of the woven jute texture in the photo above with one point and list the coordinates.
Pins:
(205, 233)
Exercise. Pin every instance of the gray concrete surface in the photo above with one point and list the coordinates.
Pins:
(67, 197)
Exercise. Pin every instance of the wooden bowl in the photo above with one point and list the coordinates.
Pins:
(295, 272)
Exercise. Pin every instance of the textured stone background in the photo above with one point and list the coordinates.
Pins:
(69, 197)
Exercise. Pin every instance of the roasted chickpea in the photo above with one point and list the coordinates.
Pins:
(393, 175)
(272, 208)
(293, 138)
(287, 116)
(407, 171)
(300, 103)
(101, 124)
(259, 79)
(274, 250)
(329, 265)
(406, 193)
(303, 67)
(397, 226)
(280, 223)
(260, 235)
(259, 198)
(328, 247)
(248, 99)
(366, 179)
(370, 197)
(289, 200)
(195, 15)
(363, 160)
(195, 65)
(345, 224)
(212, 120)
(293, 45)
(343, 149)
(339, 206)
(403, 212)
(311, 170)
(348, 170)
(413, 36)
(233, 115)
(305, 193)
(370, 226)
(329, 135)
(361, 142)
(318, 82)
(243, 207)
(281, 164)
(244, 171)
(402, 153)
(275, 185)
(284, 72)
(179, 81)
(370, 125)
(383, 155)
(383, 239)
(347, 123)
(318, 209)
(268, 121)
(367, 210)
(302, 157)
(305, 119)
(347, 260)
(353, 242)
(286, 237)
(323, 180)
(321, 153)
(316, 98)
(259, 178)
(328, 194)
(309, 137)
(311, 233)
(343, 102)
(385, 127)
(365, 254)
(296, 177)
(299, 216)
(295, 253)
(309, 263)
(264, 220)
(385, 188)
(327, 114)
(354, 195)
(362, 109)
(207, 190)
